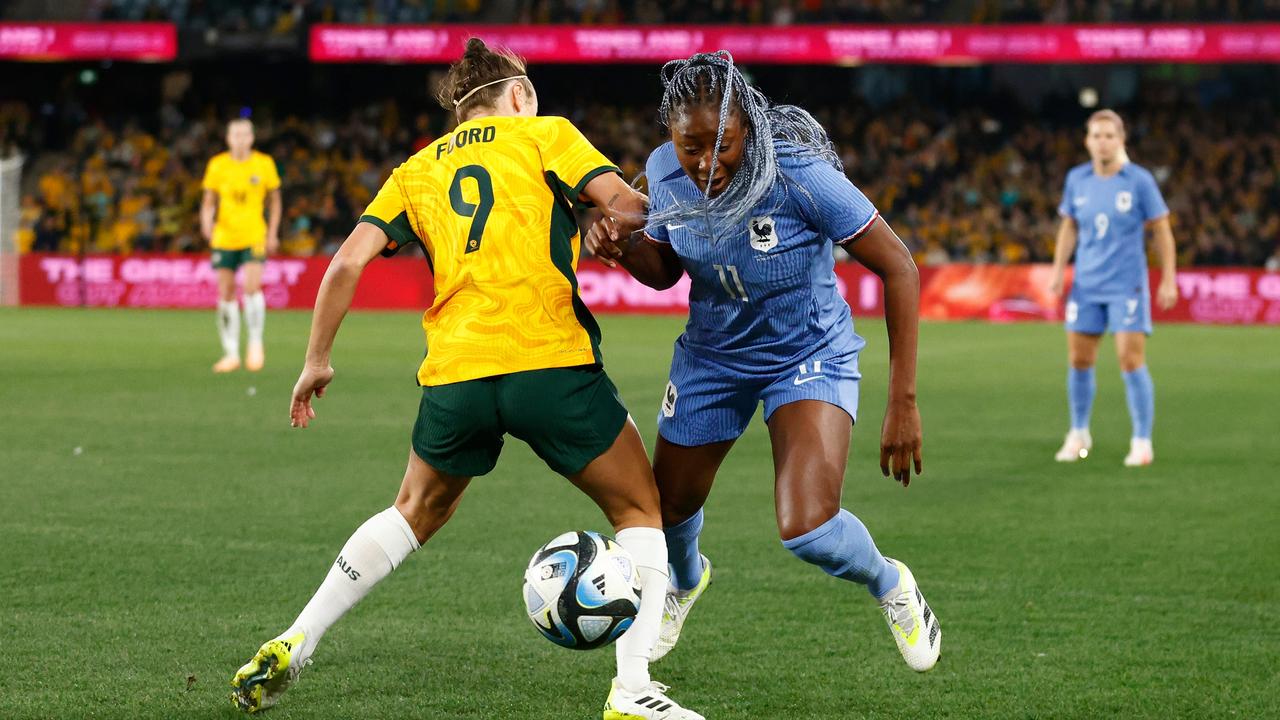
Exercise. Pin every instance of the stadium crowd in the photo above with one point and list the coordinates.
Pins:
(284, 16)
(957, 186)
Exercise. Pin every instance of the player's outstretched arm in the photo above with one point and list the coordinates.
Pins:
(275, 210)
(1167, 292)
(618, 237)
(881, 252)
(208, 213)
(332, 302)
(1062, 249)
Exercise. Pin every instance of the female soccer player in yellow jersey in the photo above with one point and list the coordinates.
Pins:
(512, 350)
(237, 184)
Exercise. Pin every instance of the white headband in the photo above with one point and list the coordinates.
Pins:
(481, 87)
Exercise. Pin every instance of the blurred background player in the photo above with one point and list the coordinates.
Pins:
(1107, 205)
(513, 350)
(237, 185)
(749, 199)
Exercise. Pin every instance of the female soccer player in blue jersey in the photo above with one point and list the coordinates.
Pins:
(1107, 204)
(749, 198)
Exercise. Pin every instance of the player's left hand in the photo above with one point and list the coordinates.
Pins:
(312, 381)
(900, 441)
(273, 244)
(1167, 293)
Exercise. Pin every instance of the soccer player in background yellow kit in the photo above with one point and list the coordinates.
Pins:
(237, 185)
(512, 350)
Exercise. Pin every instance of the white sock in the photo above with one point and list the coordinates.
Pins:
(648, 547)
(255, 316)
(229, 327)
(372, 552)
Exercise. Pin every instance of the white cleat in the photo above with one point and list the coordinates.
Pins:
(1075, 447)
(1140, 453)
(914, 626)
(676, 610)
(651, 703)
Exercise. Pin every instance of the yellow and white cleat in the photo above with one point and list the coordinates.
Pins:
(914, 626)
(1141, 453)
(229, 363)
(255, 358)
(1075, 447)
(651, 703)
(676, 610)
(260, 682)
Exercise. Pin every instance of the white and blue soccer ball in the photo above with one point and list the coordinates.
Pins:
(581, 590)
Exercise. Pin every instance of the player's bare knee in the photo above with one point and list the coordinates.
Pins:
(1082, 362)
(1131, 361)
(800, 519)
(1082, 359)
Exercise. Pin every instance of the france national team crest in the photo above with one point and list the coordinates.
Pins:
(1124, 201)
(764, 234)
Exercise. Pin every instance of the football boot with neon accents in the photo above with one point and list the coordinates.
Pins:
(676, 610)
(261, 682)
(651, 703)
(914, 626)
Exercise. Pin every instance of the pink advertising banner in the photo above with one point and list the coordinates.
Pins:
(815, 45)
(88, 41)
(994, 293)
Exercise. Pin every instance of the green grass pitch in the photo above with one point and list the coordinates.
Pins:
(158, 523)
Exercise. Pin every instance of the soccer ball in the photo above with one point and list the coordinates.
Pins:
(581, 590)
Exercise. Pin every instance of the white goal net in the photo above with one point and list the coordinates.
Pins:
(10, 178)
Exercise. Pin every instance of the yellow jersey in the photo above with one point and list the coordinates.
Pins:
(492, 206)
(242, 188)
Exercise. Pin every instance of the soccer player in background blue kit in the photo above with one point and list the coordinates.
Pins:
(748, 199)
(1107, 204)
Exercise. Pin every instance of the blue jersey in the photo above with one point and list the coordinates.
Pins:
(1111, 214)
(764, 293)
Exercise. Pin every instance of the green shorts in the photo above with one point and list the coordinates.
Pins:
(233, 259)
(569, 416)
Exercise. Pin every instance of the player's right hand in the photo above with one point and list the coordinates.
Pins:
(604, 241)
(312, 381)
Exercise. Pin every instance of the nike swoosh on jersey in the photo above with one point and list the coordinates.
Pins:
(1081, 200)
(803, 380)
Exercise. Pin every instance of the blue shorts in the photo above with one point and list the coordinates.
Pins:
(1131, 314)
(706, 402)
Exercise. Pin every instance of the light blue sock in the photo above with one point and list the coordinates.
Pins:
(843, 548)
(1141, 393)
(682, 552)
(1081, 387)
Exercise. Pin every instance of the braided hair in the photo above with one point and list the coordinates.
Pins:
(772, 131)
